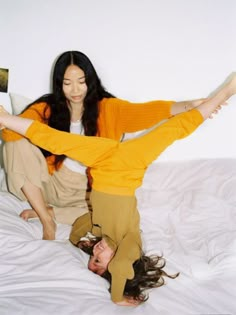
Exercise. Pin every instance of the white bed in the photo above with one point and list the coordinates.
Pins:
(188, 213)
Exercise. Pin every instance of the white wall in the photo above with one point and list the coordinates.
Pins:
(142, 50)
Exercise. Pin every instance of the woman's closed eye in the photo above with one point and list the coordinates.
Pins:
(96, 265)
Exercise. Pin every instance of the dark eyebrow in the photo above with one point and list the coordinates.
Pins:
(78, 78)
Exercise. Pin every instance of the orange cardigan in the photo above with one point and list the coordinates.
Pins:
(116, 117)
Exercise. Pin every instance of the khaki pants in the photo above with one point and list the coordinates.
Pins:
(65, 190)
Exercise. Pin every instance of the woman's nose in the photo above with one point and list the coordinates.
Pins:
(75, 88)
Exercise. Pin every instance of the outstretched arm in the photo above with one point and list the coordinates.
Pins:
(184, 106)
(15, 123)
(131, 117)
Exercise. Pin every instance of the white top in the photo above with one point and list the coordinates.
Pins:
(73, 165)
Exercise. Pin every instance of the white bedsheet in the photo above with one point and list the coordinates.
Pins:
(188, 213)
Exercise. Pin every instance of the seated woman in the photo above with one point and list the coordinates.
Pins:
(117, 170)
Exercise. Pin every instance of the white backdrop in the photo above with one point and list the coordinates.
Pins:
(141, 49)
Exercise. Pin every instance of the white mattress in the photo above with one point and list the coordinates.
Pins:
(188, 213)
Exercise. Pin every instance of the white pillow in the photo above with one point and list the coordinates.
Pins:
(6, 102)
(18, 102)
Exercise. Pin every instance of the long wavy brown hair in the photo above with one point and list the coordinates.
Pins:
(148, 273)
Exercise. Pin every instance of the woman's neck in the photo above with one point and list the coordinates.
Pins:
(76, 111)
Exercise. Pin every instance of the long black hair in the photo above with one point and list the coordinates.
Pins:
(59, 112)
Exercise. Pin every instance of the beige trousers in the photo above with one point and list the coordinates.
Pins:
(65, 190)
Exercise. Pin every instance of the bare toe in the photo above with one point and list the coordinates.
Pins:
(28, 214)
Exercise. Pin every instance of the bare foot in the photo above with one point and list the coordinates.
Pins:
(28, 214)
(49, 230)
(49, 225)
(31, 213)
